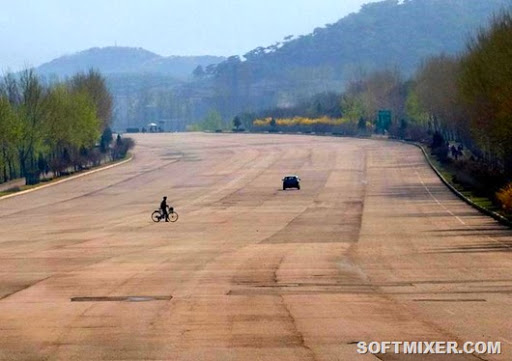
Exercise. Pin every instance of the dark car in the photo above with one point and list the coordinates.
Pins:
(291, 181)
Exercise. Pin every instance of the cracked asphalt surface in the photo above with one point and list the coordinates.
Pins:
(372, 248)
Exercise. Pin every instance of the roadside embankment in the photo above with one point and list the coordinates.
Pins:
(468, 197)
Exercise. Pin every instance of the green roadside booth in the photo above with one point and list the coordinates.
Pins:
(383, 121)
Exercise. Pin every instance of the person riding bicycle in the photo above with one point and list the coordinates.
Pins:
(163, 209)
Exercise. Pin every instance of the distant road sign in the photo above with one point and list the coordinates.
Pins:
(383, 120)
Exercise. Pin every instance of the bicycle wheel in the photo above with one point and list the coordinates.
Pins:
(155, 216)
(173, 217)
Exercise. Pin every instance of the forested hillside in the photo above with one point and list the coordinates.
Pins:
(386, 34)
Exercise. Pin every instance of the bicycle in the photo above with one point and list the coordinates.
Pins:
(157, 215)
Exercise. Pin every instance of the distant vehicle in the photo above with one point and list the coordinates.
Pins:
(291, 181)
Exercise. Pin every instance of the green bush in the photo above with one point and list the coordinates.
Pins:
(121, 147)
(482, 178)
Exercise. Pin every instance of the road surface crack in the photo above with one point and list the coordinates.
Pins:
(296, 333)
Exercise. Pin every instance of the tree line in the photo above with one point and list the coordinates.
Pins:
(468, 98)
(54, 128)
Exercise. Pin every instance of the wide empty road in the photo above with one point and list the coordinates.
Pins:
(372, 248)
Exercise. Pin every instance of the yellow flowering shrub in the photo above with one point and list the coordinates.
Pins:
(505, 198)
(300, 121)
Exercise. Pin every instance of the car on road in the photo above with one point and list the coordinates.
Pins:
(291, 181)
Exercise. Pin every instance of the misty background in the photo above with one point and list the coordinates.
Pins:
(33, 32)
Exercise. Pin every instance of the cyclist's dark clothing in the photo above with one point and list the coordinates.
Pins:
(163, 208)
(163, 205)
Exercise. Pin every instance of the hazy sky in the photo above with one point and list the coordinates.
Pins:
(35, 31)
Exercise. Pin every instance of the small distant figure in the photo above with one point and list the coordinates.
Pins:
(454, 151)
(460, 150)
(163, 208)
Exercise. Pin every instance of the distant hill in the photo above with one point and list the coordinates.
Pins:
(387, 33)
(125, 60)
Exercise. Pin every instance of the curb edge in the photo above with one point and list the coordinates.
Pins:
(498, 217)
(92, 171)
